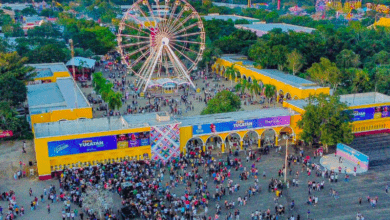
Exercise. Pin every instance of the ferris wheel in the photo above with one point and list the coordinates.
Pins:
(161, 39)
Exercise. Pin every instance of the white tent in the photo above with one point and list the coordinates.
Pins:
(81, 61)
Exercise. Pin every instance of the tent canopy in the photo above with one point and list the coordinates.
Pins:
(81, 61)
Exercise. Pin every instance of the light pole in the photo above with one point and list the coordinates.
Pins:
(285, 160)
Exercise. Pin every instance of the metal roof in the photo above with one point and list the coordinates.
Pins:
(235, 116)
(41, 73)
(266, 27)
(43, 98)
(365, 98)
(53, 67)
(80, 126)
(227, 17)
(148, 119)
(286, 78)
(77, 61)
(352, 100)
(84, 126)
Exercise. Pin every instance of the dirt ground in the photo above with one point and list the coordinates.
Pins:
(11, 154)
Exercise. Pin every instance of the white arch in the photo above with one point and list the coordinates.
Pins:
(232, 134)
(196, 138)
(287, 93)
(244, 77)
(270, 128)
(258, 136)
(288, 126)
(249, 79)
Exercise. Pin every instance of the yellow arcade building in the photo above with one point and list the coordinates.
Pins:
(288, 86)
(86, 142)
(370, 111)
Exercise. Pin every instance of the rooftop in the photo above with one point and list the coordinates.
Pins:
(234, 116)
(148, 119)
(43, 98)
(53, 67)
(352, 100)
(84, 126)
(286, 78)
(365, 98)
(80, 126)
(227, 17)
(17, 6)
(81, 61)
(266, 27)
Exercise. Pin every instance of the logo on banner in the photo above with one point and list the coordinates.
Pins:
(360, 114)
(277, 121)
(88, 143)
(243, 124)
(199, 130)
(60, 148)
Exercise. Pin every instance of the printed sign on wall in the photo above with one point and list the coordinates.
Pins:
(240, 125)
(79, 146)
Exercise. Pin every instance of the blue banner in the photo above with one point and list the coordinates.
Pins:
(363, 114)
(78, 146)
(240, 125)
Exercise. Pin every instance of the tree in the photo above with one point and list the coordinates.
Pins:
(46, 30)
(294, 61)
(321, 72)
(383, 57)
(115, 100)
(269, 92)
(28, 11)
(3, 45)
(210, 55)
(255, 87)
(327, 120)
(231, 72)
(13, 30)
(347, 58)
(279, 56)
(381, 79)
(13, 91)
(12, 66)
(50, 53)
(224, 101)
(8, 117)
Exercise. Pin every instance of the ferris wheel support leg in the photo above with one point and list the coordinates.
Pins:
(181, 66)
(154, 66)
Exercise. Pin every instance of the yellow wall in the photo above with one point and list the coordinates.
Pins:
(44, 162)
(358, 126)
(55, 76)
(186, 134)
(64, 114)
(293, 107)
(286, 88)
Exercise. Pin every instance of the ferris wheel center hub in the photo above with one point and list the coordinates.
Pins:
(165, 41)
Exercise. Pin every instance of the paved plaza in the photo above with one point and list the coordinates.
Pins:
(210, 85)
(345, 207)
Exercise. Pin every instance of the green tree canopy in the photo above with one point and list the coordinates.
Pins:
(13, 91)
(12, 66)
(327, 120)
(224, 101)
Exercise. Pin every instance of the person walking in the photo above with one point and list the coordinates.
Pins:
(48, 208)
(30, 192)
